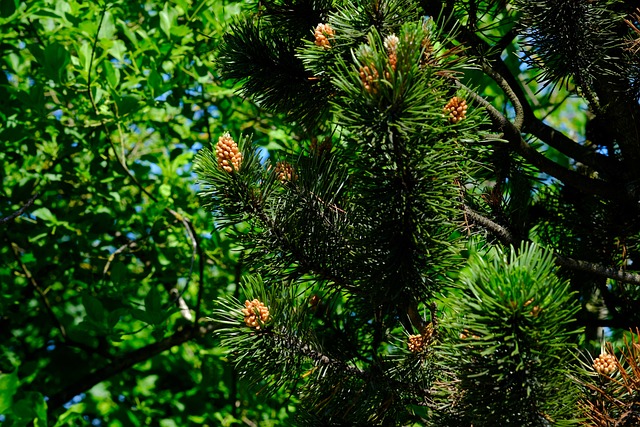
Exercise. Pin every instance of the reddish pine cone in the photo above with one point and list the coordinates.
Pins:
(322, 33)
(285, 172)
(605, 364)
(254, 313)
(456, 108)
(229, 157)
(391, 45)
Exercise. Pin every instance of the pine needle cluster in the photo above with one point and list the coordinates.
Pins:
(359, 296)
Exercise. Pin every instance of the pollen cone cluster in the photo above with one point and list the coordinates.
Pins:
(418, 343)
(229, 157)
(285, 172)
(456, 108)
(255, 312)
(605, 364)
(369, 77)
(322, 33)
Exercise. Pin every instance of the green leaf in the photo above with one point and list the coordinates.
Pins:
(166, 19)
(45, 215)
(153, 304)
(94, 308)
(165, 191)
(32, 408)
(112, 74)
(108, 29)
(118, 49)
(8, 8)
(127, 104)
(56, 59)
(141, 315)
(8, 385)
(155, 83)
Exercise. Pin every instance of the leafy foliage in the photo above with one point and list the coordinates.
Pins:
(106, 258)
(399, 161)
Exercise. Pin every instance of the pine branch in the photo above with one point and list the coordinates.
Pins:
(530, 123)
(508, 238)
(512, 134)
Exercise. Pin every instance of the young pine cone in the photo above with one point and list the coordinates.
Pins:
(605, 364)
(417, 343)
(456, 108)
(391, 45)
(254, 313)
(322, 33)
(229, 157)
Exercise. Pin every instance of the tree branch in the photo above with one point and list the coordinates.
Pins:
(507, 237)
(569, 177)
(124, 362)
(21, 210)
(529, 123)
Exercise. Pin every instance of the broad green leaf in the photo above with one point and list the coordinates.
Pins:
(112, 74)
(108, 29)
(166, 19)
(8, 385)
(56, 59)
(153, 304)
(46, 215)
(8, 8)
(94, 308)
(127, 104)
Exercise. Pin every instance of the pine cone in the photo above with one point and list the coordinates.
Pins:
(456, 108)
(229, 157)
(255, 312)
(322, 33)
(391, 45)
(605, 364)
(285, 172)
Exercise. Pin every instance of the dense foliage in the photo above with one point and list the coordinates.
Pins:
(457, 221)
(108, 264)
(317, 212)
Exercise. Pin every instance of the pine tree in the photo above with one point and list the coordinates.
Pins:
(430, 250)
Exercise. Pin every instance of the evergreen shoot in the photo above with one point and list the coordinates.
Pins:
(430, 250)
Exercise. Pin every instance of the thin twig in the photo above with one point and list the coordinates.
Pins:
(38, 289)
(191, 233)
(130, 244)
(508, 238)
(21, 210)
